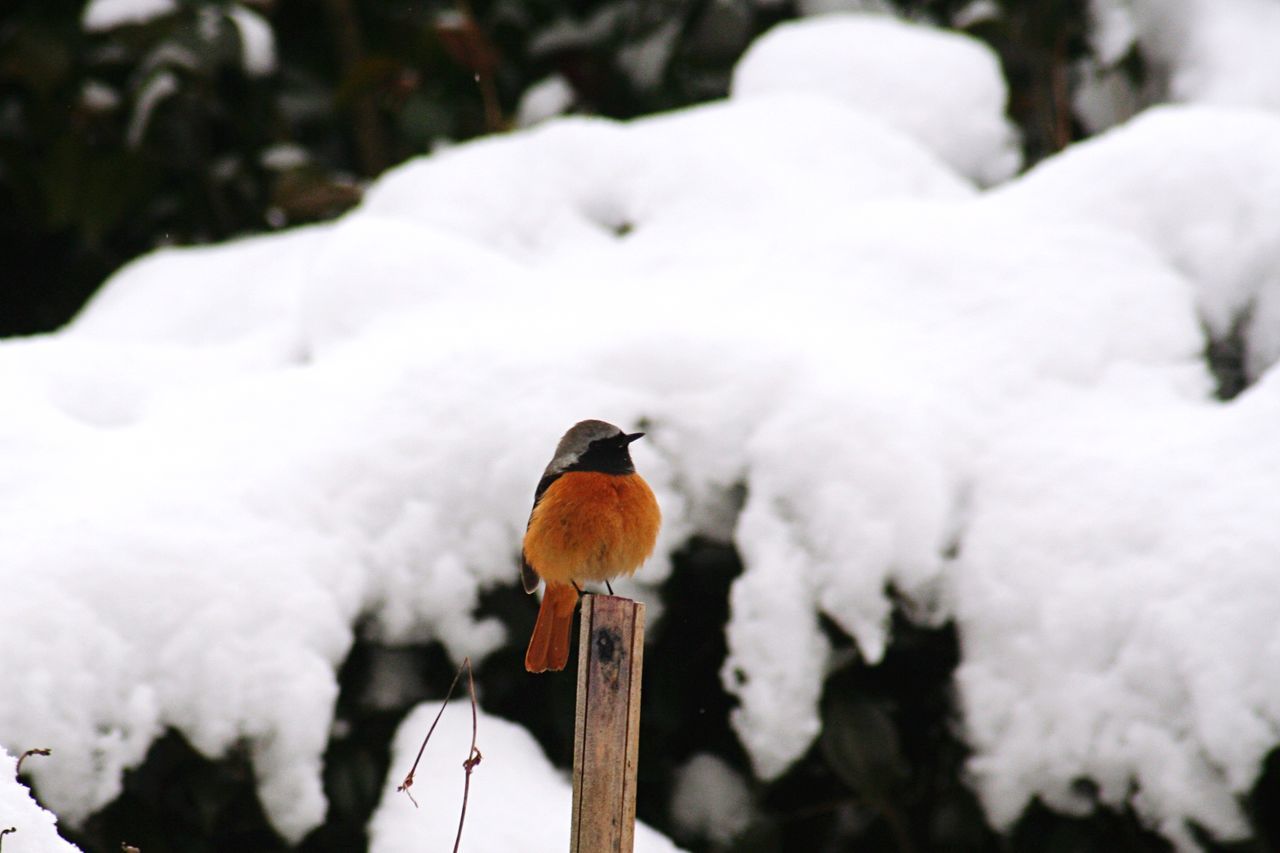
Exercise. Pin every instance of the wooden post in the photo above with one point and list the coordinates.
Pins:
(607, 733)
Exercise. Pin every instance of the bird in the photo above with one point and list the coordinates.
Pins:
(594, 518)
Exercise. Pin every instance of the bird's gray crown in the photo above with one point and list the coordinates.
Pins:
(576, 441)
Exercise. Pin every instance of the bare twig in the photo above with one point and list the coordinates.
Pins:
(17, 771)
(4, 832)
(408, 779)
(473, 757)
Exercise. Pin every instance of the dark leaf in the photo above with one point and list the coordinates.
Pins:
(860, 743)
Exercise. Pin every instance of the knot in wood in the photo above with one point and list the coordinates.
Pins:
(608, 645)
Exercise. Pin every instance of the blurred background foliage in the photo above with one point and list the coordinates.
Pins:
(180, 129)
(177, 130)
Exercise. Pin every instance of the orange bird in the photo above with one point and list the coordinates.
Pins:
(593, 518)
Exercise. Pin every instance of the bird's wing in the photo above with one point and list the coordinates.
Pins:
(528, 575)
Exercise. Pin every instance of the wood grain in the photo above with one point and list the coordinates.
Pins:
(607, 733)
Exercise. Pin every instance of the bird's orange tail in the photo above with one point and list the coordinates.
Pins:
(549, 645)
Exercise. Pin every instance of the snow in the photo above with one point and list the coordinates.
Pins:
(100, 15)
(567, 33)
(549, 97)
(990, 405)
(152, 615)
(975, 12)
(178, 297)
(943, 88)
(35, 828)
(98, 96)
(1195, 51)
(946, 326)
(1215, 51)
(163, 84)
(584, 180)
(284, 156)
(825, 7)
(1112, 30)
(645, 61)
(710, 800)
(1127, 535)
(1201, 184)
(517, 800)
(257, 41)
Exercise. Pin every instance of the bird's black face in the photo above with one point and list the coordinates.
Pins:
(610, 455)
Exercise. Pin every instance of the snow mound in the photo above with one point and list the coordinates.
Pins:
(165, 605)
(585, 183)
(943, 88)
(517, 801)
(1128, 536)
(206, 295)
(36, 829)
(1202, 185)
(855, 471)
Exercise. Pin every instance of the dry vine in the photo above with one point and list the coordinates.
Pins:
(473, 757)
(17, 771)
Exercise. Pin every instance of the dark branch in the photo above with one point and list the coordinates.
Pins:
(473, 757)
(21, 758)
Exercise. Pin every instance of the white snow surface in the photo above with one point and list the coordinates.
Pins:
(549, 97)
(710, 800)
(1195, 51)
(1199, 183)
(99, 15)
(36, 828)
(994, 405)
(163, 84)
(944, 88)
(1215, 51)
(517, 801)
(1126, 535)
(257, 40)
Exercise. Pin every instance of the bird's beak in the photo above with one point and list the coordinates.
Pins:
(633, 436)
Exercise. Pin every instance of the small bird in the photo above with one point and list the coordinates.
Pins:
(593, 518)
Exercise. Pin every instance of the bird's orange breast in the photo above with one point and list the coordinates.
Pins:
(590, 526)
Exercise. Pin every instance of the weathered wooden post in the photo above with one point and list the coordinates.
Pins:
(607, 733)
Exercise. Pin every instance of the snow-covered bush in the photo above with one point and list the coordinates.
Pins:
(961, 538)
